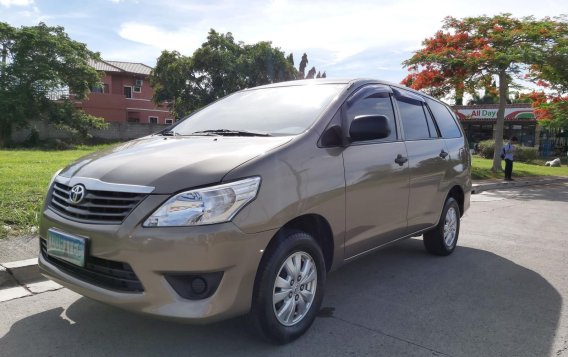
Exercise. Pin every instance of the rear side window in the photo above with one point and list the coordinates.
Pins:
(375, 103)
(445, 120)
(433, 131)
(413, 118)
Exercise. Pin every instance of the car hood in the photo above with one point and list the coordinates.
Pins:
(171, 164)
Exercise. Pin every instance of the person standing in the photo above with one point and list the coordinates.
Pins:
(509, 150)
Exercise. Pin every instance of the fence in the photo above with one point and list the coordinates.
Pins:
(553, 142)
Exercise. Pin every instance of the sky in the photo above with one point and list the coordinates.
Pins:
(346, 39)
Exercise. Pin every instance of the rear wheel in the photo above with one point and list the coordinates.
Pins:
(442, 239)
(288, 288)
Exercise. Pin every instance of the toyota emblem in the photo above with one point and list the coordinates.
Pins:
(77, 194)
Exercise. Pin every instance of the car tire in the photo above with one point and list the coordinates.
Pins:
(443, 238)
(283, 308)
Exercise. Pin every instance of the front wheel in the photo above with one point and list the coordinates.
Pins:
(443, 238)
(289, 288)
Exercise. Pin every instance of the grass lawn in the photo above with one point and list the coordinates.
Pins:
(24, 176)
(481, 169)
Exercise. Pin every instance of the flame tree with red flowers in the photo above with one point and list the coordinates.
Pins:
(469, 51)
(551, 107)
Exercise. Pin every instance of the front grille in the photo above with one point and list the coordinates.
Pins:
(102, 207)
(107, 274)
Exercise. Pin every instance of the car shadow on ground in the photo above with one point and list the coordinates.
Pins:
(396, 301)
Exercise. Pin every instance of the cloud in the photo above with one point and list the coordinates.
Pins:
(159, 38)
(366, 38)
(8, 3)
(341, 29)
(23, 15)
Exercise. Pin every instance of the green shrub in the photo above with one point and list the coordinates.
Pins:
(486, 149)
(526, 154)
(522, 153)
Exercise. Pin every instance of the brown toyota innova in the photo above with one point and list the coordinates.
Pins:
(247, 204)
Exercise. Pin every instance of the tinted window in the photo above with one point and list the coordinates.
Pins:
(413, 118)
(445, 120)
(277, 111)
(373, 104)
(431, 125)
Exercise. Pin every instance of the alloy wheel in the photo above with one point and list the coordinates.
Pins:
(294, 288)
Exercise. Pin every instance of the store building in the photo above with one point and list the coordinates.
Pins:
(478, 122)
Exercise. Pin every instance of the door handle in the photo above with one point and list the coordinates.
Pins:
(443, 154)
(400, 159)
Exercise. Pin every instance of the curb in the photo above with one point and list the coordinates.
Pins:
(24, 271)
(22, 278)
(521, 182)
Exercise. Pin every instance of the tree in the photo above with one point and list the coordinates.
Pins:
(219, 67)
(443, 65)
(290, 59)
(303, 64)
(311, 73)
(35, 61)
(264, 64)
(490, 94)
(474, 48)
(551, 108)
(170, 80)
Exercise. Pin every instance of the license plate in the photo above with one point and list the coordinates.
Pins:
(66, 247)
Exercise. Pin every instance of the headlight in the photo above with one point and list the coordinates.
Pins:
(207, 205)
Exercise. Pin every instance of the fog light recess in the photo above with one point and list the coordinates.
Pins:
(194, 286)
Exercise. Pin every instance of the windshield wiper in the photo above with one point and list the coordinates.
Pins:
(168, 133)
(228, 132)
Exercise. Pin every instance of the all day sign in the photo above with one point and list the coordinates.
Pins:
(491, 114)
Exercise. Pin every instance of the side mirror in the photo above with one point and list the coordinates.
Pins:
(369, 127)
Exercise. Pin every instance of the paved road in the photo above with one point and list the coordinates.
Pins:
(500, 294)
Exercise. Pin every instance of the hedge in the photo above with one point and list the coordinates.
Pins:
(522, 153)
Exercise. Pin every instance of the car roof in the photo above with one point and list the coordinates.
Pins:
(351, 82)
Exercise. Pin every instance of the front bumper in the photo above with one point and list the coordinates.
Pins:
(154, 252)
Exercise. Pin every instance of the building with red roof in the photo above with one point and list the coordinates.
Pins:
(125, 95)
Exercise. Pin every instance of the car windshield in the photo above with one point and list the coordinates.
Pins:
(265, 111)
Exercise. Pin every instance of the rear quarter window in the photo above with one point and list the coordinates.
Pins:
(445, 120)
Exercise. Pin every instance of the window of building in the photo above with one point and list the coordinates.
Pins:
(137, 89)
(100, 88)
(153, 120)
(169, 121)
(128, 92)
